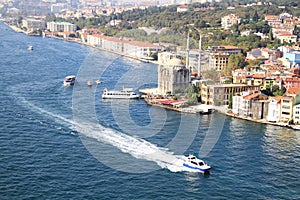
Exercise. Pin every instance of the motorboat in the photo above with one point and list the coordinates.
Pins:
(98, 82)
(89, 84)
(125, 93)
(194, 164)
(30, 48)
(69, 80)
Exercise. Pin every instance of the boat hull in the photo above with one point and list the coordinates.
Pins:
(119, 97)
(197, 169)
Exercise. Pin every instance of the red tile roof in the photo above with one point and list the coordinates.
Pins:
(292, 91)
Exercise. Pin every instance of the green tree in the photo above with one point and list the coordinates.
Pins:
(235, 61)
(255, 17)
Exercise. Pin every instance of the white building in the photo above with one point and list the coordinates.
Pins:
(61, 27)
(229, 20)
(274, 109)
(296, 114)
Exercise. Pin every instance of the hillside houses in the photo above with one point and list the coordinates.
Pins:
(283, 27)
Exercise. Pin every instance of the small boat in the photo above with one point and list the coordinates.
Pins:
(30, 48)
(194, 164)
(98, 82)
(69, 80)
(89, 83)
(125, 93)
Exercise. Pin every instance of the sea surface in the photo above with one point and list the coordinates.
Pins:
(61, 142)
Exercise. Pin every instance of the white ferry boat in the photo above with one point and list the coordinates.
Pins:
(196, 165)
(125, 93)
(69, 80)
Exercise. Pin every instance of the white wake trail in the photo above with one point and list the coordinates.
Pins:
(136, 147)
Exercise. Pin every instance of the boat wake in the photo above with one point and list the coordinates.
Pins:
(139, 149)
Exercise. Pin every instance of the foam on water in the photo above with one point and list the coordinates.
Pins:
(136, 147)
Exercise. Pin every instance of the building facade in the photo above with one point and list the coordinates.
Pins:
(229, 20)
(61, 27)
(33, 24)
(219, 56)
(221, 94)
(173, 76)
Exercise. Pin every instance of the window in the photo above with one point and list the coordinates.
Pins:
(286, 101)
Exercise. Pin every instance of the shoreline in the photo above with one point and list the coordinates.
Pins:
(19, 30)
(188, 109)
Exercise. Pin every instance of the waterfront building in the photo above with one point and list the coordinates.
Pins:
(173, 76)
(274, 109)
(251, 104)
(229, 20)
(221, 94)
(141, 50)
(136, 49)
(288, 101)
(33, 24)
(296, 114)
(61, 26)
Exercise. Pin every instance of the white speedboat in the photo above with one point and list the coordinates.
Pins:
(196, 165)
(69, 80)
(125, 93)
(30, 48)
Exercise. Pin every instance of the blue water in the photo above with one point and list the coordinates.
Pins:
(44, 155)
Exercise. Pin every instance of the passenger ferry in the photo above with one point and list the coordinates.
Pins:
(125, 93)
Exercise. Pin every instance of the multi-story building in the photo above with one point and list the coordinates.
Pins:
(136, 49)
(229, 20)
(274, 110)
(61, 27)
(288, 101)
(251, 104)
(221, 94)
(33, 24)
(296, 114)
(219, 56)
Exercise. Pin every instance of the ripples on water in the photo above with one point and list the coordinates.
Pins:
(42, 155)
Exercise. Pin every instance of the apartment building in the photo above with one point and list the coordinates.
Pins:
(61, 27)
(221, 94)
(219, 56)
(229, 20)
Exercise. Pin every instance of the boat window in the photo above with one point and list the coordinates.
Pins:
(194, 162)
(201, 163)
